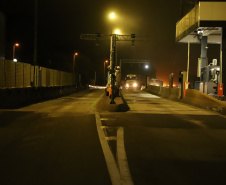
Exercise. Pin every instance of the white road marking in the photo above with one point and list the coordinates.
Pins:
(121, 175)
(122, 159)
(104, 119)
(197, 122)
(110, 138)
(109, 158)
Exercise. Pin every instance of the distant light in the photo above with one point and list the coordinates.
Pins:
(200, 32)
(146, 66)
(14, 60)
(112, 15)
(76, 53)
(117, 32)
(17, 44)
(106, 61)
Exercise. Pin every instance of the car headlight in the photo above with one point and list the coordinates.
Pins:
(135, 85)
(127, 85)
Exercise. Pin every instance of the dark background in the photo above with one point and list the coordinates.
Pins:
(60, 24)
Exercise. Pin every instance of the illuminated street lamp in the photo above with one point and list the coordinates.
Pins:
(106, 61)
(75, 54)
(112, 15)
(146, 66)
(117, 32)
(14, 46)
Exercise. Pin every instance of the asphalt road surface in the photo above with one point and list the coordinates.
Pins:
(52, 143)
(60, 142)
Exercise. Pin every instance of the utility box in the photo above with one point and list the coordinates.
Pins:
(210, 88)
(199, 86)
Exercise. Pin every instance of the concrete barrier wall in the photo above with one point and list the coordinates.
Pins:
(193, 97)
(18, 75)
(153, 89)
(18, 97)
(165, 92)
(175, 93)
(200, 99)
(2, 75)
(27, 75)
(9, 74)
(19, 70)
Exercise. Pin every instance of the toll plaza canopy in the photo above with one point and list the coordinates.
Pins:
(206, 24)
(205, 19)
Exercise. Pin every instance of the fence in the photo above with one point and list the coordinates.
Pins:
(18, 74)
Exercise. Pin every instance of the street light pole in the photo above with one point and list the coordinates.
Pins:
(106, 61)
(75, 54)
(14, 46)
(112, 66)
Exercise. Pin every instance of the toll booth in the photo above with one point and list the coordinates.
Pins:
(211, 77)
(206, 24)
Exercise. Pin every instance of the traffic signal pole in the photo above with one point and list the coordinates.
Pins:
(113, 55)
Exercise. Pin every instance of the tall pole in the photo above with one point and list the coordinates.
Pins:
(35, 32)
(35, 39)
(104, 71)
(112, 66)
(95, 78)
(75, 54)
(14, 48)
(186, 87)
(14, 51)
(203, 57)
(221, 57)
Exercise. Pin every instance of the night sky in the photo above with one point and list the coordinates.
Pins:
(60, 24)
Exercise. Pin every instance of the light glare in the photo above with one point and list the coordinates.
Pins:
(112, 15)
(117, 32)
